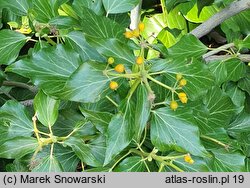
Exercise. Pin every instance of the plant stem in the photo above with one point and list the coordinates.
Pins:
(110, 170)
(112, 101)
(133, 88)
(21, 85)
(215, 141)
(160, 83)
(133, 75)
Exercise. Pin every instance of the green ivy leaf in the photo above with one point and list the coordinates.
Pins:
(244, 83)
(87, 84)
(18, 147)
(142, 111)
(218, 68)
(235, 69)
(120, 131)
(19, 7)
(236, 94)
(10, 46)
(77, 41)
(216, 111)
(95, 6)
(45, 10)
(199, 78)
(101, 27)
(203, 3)
(175, 130)
(119, 6)
(49, 68)
(188, 47)
(228, 162)
(171, 4)
(67, 158)
(244, 43)
(113, 48)
(97, 118)
(131, 164)
(49, 164)
(241, 124)
(46, 109)
(15, 120)
(83, 151)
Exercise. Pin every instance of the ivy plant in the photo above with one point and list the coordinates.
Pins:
(82, 90)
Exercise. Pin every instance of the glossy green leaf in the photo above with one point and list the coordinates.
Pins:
(45, 10)
(64, 22)
(199, 79)
(236, 94)
(241, 124)
(142, 111)
(120, 131)
(216, 111)
(197, 16)
(95, 6)
(244, 83)
(19, 7)
(46, 109)
(203, 3)
(18, 147)
(228, 162)
(101, 27)
(77, 41)
(218, 68)
(158, 23)
(97, 118)
(83, 151)
(171, 4)
(87, 84)
(235, 69)
(199, 165)
(175, 130)
(48, 164)
(16, 118)
(67, 158)
(49, 68)
(131, 164)
(188, 47)
(245, 43)
(119, 6)
(10, 46)
(113, 48)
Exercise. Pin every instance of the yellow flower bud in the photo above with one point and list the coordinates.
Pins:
(188, 159)
(139, 60)
(183, 82)
(136, 33)
(120, 68)
(141, 27)
(178, 76)
(113, 85)
(173, 105)
(128, 34)
(111, 60)
(183, 97)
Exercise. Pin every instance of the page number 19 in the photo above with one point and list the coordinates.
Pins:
(238, 179)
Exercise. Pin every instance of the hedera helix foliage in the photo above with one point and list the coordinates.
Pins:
(82, 92)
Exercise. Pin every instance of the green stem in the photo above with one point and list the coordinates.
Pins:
(160, 83)
(133, 88)
(112, 101)
(164, 9)
(21, 85)
(110, 170)
(156, 73)
(133, 75)
(215, 141)
(49, 40)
